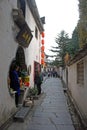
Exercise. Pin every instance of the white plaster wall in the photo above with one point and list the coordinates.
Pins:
(79, 92)
(7, 52)
(32, 53)
(64, 75)
(60, 72)
(8, 47)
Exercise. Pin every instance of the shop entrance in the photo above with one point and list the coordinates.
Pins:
(20, 61)
(20, 58)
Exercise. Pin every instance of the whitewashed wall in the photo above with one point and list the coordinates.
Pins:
(7, 52)
(64, 76)
(8, 48)
(60, 72)
(32, 53)
(79, 92)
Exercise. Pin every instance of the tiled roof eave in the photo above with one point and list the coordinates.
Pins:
(81, 54)
(35, 13)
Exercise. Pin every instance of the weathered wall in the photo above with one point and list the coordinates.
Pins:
(33, 51)
(7, 52)
(78, 91)
(8, 48)
(64, 76)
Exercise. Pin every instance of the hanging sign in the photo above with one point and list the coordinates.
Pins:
(24, 37)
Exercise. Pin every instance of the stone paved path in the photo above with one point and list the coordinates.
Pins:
(51, 112)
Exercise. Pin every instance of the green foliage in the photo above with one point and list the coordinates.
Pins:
(74, 43)
(82, 26)
(83, 9)
(33, 91)
(65, 45)
(61, 49)
(55, 63)
(82, 34)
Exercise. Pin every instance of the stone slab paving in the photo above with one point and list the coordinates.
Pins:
(51, 113)
(21, 114)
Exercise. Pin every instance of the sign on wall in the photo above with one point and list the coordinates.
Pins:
(24, 36)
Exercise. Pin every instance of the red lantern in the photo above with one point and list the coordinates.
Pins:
(27, 84)
(42, 54)
(42, 61)
(42, 41)
(42, 48)
(43, 34)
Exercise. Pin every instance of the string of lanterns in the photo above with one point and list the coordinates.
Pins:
(42, 49)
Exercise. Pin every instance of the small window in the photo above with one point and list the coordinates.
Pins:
(36, 32)
(80, 72)
(21, 5)
(18, 4)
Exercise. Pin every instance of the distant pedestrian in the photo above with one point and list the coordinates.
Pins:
(14, 81)
(38, 82)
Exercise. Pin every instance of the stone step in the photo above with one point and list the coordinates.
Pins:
(21, 114)
(28, 103)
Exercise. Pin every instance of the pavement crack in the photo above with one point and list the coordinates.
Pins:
(55, 114)
(53, 123)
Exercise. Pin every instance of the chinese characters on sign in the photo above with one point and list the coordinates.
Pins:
(24, 36)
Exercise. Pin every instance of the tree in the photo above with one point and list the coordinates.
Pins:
(65, 46)
(61, 49)
(82, 26)
(74, 45)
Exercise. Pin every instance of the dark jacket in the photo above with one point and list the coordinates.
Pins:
(38, 79)
(14, 81)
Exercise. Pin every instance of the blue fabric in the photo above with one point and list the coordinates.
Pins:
(15, 84)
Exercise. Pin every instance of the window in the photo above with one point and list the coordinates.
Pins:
(36, 32)
(80, 72)
(21, 5)
(18, 4)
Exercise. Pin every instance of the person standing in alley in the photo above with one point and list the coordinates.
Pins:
(38, 82)
(14, 81)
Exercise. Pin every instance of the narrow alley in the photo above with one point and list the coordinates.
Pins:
(51, 110)
(41, 48)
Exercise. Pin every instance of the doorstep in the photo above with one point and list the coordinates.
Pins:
(22, 113)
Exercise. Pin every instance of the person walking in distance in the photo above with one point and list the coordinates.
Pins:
(38, 82)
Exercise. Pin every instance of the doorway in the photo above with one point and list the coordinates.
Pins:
(20, 58)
